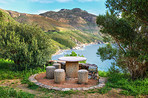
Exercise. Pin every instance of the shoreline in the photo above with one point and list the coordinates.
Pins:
(77, 47)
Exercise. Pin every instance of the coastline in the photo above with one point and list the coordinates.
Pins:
(77, 47)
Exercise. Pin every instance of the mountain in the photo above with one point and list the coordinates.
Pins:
(63, 20)
(77, 18)
(47, 24)
(62, 34)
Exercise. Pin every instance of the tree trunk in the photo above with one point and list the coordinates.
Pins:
(137, 69)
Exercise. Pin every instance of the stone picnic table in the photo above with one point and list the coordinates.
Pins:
(72, 65)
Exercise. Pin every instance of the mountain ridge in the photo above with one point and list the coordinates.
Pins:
(65, 19)
(77, 18)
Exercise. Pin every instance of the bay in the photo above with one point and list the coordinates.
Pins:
(89, 52)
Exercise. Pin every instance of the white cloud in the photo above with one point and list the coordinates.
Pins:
(63, 0)
(56, 10)
(50, 1)
(3, 2)
(42, 1)
(6, 1)
(89, 0)
(42, 11)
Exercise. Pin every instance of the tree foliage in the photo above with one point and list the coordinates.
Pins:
(26, 45)
(130, 34)
(129, 7)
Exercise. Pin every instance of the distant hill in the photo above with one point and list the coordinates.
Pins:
(47, 24)
(77, 18)
(62, 34)
(63, 20)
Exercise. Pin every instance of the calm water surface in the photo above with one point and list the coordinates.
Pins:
(90, 53)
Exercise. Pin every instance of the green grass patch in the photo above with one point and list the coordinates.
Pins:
(103, 73)
(124, 82)
(32, 85)
(7, 72)
(59, 93)
(129, 86)
(6, 92)
(103, 90)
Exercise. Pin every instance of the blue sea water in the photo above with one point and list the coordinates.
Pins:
(90, 53)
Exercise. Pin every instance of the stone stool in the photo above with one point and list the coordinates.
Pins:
(50, 72)
(82, 76)
(59, 76)
(57, 65)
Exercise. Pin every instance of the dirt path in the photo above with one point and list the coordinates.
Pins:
(16, 84)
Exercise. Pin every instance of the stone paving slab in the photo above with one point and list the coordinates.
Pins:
(100, 85)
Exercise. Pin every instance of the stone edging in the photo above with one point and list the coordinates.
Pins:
(32, 79)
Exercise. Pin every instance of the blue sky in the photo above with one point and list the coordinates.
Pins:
(39, 6)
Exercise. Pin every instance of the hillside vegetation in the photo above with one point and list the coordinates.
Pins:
(30, 46)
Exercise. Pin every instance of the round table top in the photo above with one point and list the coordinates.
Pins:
(72, 58)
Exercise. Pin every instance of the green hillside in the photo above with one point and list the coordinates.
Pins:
(60, 39)
(5, 17)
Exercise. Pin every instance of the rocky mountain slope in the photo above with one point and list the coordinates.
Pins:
(46, 23)
(77, 18)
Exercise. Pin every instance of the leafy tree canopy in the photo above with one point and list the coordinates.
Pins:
(130, 34)
(26, 45)
(134, 7)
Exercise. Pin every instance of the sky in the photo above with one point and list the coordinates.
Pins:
(40, 6)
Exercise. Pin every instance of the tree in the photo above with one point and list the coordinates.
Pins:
(27, 46)
(130, 34)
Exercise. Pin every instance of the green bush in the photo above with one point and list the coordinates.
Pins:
(74, 54)
(103, 73)
(27, 46)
